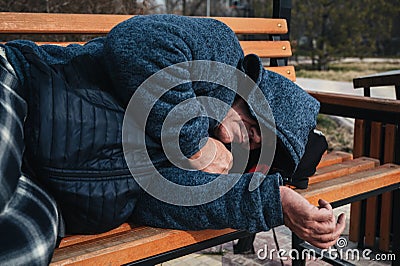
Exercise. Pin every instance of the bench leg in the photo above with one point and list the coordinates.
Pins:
(361, 235)
(245, 245)
(296, 245)
(396, 227)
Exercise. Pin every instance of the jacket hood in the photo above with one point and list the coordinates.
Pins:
(281, 106)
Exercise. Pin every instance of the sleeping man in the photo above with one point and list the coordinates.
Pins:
(163, 122)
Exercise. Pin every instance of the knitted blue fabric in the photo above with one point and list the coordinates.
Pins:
(141, 46)
(144, 45)
(294, 110)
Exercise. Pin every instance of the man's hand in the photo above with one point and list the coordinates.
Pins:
(316, 225)
(214, 157)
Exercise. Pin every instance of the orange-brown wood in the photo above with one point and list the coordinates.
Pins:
(342, 169)
(272, 49)
(333, 158)
(370, 221)
(255, 25)
(130, 246)
(76, 239)
(42, 23)
(355, 218)
(354, 184)
(390, 142)
(372, 203)
(128, 243)
(376, 137)
(356, 101)
(386, 221)
(37, 23)
(386, 200)
(358, 151)
(359, 138)
(286, 71)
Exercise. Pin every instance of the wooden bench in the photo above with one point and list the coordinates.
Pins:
(339, 178)
(371, 219)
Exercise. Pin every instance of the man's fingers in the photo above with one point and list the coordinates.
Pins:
(341, 223)
(329, 239)
(321, 228)
(324, 204)
(324, 214)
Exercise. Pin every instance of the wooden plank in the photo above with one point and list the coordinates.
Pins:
(342, 169)
(371, 221)
(271, 49)
(386, 221)
(333, 158)
(374, 109)
(352, 185)
(255, 25)
(389, 78)
(359, 102)
(376, 140)
(359, 138)
(355, 207)
(372, 203)
(355, 218)
(37, 23)
(130, 246)
(76, 239)
(390, 143)
(52, 23)
(286, 71)
(387, 198)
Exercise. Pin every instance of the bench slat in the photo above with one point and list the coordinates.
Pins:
(352, 185)
(76, 239)
(131, 246)
(344, 168)
(255, 25)
(271, 49)
(286, 71)
(274, 49)
(333, 158)
(38, 23)
(375, 109)
(53, 23)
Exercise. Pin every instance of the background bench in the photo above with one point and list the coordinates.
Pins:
(372, 218)
(339, 178)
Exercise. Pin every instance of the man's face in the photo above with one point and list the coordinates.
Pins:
(239, 127)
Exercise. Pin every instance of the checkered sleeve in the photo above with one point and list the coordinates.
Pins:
(29, 219)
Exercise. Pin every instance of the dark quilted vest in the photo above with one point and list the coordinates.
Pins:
(73, 140)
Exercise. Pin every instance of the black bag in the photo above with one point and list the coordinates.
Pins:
(315, 148)
(283, 163)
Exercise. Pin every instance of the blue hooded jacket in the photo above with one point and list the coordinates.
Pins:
(77, 96)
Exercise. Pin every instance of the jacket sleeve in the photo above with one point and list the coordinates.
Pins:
(133, 53)
(238, 208)
(13, 111)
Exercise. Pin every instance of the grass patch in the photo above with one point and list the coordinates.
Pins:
(343, 71)
(339, 138)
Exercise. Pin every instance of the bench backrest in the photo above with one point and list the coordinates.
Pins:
(261, 34)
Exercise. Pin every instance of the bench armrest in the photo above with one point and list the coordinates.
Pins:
(361, 107)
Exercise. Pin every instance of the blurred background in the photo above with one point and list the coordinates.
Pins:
(333, 41)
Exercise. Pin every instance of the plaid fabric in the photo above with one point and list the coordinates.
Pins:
(29, 219)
